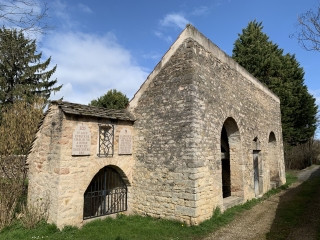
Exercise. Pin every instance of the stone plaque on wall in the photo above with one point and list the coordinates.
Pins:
(81, 140)
(125, 141)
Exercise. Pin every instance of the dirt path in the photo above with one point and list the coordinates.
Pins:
(256, 222)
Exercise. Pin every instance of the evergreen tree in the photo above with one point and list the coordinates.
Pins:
(113, 99)
(22, 75)
(283, 75)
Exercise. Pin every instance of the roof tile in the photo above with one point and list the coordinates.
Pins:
(92, 111)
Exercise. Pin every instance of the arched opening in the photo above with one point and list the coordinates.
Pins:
(225, 164)
(273, 160)
(232, 181)
(106, 194)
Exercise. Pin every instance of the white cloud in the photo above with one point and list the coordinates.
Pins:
(60, 9)
(152, 55)
(85, 8)
(203, 10)
(167, 38)
(88, 66)
(24, 15)
(174, 20)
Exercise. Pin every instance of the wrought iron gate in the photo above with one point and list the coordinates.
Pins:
(106, 194)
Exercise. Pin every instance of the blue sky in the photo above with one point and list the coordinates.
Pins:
(100, 45)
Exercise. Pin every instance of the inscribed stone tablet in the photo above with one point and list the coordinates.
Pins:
(125, 141)
(81, 140)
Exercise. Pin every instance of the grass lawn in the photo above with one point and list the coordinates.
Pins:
(135, 227)
(298, 214)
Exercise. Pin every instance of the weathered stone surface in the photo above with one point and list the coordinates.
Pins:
(61, 171)
(55, 173)
(180, 110)
(196, 108)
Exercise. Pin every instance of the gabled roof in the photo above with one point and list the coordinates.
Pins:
(92, 111)
(190, 32)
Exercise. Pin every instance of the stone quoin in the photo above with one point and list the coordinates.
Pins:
(200, 133)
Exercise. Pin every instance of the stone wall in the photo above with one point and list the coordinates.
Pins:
(165, 168)
(194, 91)
(54, 172)
(223, 94)
(196, 98)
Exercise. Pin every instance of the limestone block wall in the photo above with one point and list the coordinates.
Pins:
(165, 168)
(65, 177)
(181, 109)
(222, 93)
(43, 160)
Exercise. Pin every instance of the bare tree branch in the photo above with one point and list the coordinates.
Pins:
(26, 15)
(308, 30)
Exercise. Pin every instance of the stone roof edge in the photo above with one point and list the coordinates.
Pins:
(59, 103)
(191, 32)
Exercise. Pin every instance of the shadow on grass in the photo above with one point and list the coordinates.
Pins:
(298, 212)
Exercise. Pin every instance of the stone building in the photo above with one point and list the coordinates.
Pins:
(200, 133)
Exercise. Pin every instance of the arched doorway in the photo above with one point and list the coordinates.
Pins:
(225, 164)
(106, 194)
(232, 181)
(273, 160)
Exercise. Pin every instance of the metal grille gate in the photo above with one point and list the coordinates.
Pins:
(106, 194)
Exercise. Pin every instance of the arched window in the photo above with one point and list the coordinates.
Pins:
(106, 194)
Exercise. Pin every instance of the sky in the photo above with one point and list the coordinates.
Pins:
(102, 45)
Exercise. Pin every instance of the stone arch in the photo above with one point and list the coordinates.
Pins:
(231, 159)
(106, 193)
(273, 159)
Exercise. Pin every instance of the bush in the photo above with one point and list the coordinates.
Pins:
(18, 125)
(303, 155)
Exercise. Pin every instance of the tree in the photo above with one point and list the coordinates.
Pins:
(111, 100)
(21, 72)
(308, 33)
(26, 15)
(18, 125)
(284, 76)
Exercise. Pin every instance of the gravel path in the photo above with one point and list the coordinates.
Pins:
(256, 222)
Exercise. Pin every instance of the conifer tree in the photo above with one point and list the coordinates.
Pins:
(283, 75)
(22, 75)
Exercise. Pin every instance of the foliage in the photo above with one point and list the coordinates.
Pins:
(113, 99)
(18, 125)
(32, 214)
(283, 75)
(302, 155)
(27, 15)
(22, 75)
(308, 33)
(137, 227)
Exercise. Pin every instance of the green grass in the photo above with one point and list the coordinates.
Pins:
(294, 213)
(135, 227)
(290, 178)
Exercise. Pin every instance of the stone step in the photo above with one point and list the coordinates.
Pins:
(229, 202)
